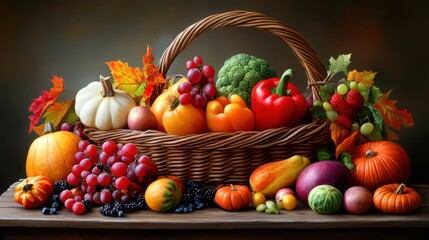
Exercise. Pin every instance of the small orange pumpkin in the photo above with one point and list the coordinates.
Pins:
(396, 199)
(233, 197)
(34, 192)
(52, 154)
(379, 163)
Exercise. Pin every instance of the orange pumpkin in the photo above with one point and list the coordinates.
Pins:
(52, 154)
(233, 197)
(396, 199)
(379, 163)
(34, 192)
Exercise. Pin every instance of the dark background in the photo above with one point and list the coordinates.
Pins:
(73, 39)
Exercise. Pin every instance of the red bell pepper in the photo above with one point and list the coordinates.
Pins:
(275, 105)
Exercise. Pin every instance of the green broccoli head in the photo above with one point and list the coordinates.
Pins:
(240, 73)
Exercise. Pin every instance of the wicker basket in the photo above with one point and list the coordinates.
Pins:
(213, 158)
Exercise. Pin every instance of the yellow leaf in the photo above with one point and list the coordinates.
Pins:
(393, 117)
(127, 78)
(365, 77)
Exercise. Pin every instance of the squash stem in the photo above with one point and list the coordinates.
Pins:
(370, 154)
(48, 128)
(27, 187)
(107, 87)
(232, 187)
(400, 189)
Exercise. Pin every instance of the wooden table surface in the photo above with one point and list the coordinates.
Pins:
(208, 222)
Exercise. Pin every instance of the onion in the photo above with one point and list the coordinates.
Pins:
(283, 191)
(357, 200)
(323, 172)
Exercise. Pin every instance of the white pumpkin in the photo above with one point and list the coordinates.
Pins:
(99, 105)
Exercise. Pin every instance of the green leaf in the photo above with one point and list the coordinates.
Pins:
(339, 65)
(379, 127)
(318, 112)
(374, 94)
(326, 92)
(325, 154)
(346, 159)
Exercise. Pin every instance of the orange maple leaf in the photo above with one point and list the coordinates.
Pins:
(151, 73)
(347, 144)
(139, 83)
(338, 133)
(126, 78)
(393, 117)
(46, 99)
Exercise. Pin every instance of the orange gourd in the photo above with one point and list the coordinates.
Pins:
(163, 195)
(233, 197)
(396, 199)
(379, 163)
(34, 192)
(52, 154)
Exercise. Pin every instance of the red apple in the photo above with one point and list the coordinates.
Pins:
(357, 200)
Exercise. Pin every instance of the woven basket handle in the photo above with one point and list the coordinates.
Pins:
(314, 69)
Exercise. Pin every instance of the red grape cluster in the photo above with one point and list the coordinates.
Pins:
(117, 173)
(200, 87)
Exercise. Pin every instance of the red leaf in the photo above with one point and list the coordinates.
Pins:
(40, 104)
(393, 117)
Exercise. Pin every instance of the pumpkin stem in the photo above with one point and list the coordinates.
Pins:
(27, 187)
(107, 87)
(400, 189)
(48, 128)
(232, 187)
(370, 154)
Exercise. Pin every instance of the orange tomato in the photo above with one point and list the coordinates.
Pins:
(289, 202)
(229, 115)
(257, 199)
(162, 103)
(184, 120)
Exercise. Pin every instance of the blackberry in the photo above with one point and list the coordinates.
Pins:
(141, 201)
(61, 185)
(208, 195)
(190, 184)
(199, 202)
(196, 191)
(187, 198)
(87, 204)
(130, 207)
(105, 209)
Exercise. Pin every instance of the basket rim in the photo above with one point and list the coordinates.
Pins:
(314, 69)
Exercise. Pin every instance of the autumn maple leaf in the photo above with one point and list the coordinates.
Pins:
(365, 77)
(46, 99)
(393, 117)
(137, 82)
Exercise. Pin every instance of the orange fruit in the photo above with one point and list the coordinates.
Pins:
(289, 202)
(257, 199)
